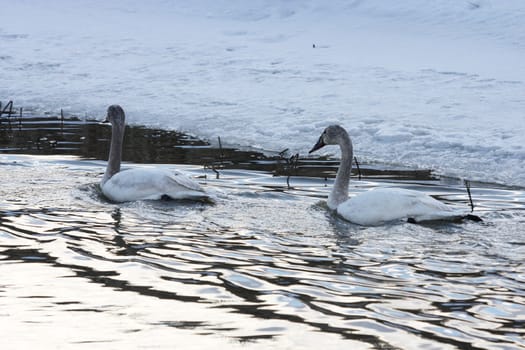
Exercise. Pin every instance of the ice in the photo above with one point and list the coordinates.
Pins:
(428, 84)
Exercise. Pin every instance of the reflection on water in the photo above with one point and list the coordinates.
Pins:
(266, 266)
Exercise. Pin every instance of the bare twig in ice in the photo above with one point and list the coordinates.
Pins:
(292, 166)
(467, 185)
(358, 168)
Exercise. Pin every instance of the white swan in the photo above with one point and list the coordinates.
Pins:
(141, 183)
(380, 205)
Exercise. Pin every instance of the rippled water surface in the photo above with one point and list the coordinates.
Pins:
(267, 266)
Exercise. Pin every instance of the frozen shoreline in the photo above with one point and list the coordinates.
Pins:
(438, 87)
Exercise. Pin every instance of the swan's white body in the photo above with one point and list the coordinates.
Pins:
(141, 183)
(144, 183)
(381, 205)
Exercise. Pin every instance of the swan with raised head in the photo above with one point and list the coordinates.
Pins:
(382, 205)
(141, 183)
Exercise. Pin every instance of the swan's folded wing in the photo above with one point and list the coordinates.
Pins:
(180, 186)
(427, 208)
(183, 180)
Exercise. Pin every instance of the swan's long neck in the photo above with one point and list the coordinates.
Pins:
(339, 192)
(115, 152)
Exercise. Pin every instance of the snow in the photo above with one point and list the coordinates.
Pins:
(436, 84)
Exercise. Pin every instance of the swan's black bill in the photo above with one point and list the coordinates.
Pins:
(320, 144)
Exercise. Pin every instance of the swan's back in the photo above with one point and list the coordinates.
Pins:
(382, 205)
(145, 183)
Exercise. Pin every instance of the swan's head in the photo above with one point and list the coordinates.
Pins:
(115, 115)
(332, 135)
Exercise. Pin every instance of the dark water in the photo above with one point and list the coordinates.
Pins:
(267, 266)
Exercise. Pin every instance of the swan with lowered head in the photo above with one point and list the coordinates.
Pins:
(141, 183)
(378, 206)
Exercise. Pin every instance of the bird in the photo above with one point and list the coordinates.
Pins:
(381, 205)
(141, 183)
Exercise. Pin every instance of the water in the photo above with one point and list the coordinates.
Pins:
(267, 266)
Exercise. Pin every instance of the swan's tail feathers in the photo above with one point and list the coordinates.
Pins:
(450, 218)
(199, 196)
(473, 217)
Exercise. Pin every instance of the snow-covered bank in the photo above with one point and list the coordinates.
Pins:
(436, 84)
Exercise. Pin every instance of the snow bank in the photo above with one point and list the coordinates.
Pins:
(435, 84)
